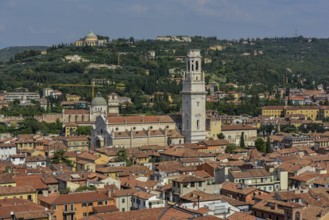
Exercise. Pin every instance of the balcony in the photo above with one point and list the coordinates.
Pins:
(69, 211)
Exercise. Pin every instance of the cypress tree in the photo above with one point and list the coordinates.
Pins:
(242, 143)
(268, 145)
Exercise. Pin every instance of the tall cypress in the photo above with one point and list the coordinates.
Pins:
(242, 143)
(268, 145)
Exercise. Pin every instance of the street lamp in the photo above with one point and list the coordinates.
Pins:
(48, 214)
(12, 215)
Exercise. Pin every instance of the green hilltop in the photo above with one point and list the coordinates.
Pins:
(128, 67)
(9, 52)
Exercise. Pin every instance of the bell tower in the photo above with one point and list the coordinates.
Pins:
(194, 99)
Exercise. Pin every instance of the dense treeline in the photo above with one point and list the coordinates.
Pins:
(258, 65)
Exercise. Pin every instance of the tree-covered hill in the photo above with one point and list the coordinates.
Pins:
(128, 67)
(9, 52)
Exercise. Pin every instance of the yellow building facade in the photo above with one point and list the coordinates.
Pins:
(311, 112)
(23, 192)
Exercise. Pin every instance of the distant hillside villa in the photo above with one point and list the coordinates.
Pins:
(92, 40)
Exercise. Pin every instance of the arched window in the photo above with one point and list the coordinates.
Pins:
(197, 65)
(297, 216)
(192, 67)
(197, 123)
(188, 65)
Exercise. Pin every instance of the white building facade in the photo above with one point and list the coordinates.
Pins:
(143, 200)
(194, 99)
(7, 150)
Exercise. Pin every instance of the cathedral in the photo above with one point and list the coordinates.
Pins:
(110, 129)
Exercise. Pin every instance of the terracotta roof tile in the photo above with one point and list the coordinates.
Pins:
(218, 142)
(185, 153)
(6, 178)
(240, 216)
(252, 173)
(197, 195)
(150, 214)
(233, 187)
(123, 192)
(74, 198)
(188, 179)
(33, 180)
(139, 119)
(105, 209)
(143, 195)
(8, 190)
(23, 211)
(76, 111)
(237, 127)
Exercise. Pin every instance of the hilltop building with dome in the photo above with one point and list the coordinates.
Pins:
(92, 40)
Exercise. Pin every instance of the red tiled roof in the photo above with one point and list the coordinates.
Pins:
(143, 195)
(7, 145)
(77, 138)
(149, 214)
(197, 195)
(139, 119)
(233, 187)
(252, 173)
(237, 127)
(240, 216)
(35, 181)
(218, 142)
(188, 178)
(273, 108)
(124, 192)
(105, 209)
(6, 178)
(76, 111)
(8, 190)
(23, 211)
(74, 198)
(184, 152)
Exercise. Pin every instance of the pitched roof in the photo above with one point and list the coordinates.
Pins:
(237, 127)
(6, 178)
(23, 211)
(33, 180)
(252, 173)
(241, 215)
(233, 187)
(139, 119)
(143, 195)
(124, 192)
(184, 152)
(76, 111)
(188, 178)
(105, 209)
(197, 195)
(218, 142)
(74, 198)
(8, 190)
(171, 212)
(168, 166)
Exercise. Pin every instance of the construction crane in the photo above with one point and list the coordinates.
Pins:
(92, 85)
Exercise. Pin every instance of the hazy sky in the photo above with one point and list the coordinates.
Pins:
(47, 22)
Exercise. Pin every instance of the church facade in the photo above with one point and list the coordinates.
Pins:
(135, 131)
